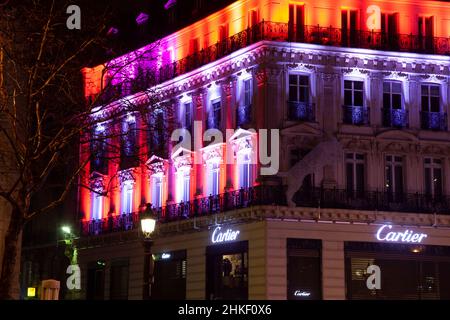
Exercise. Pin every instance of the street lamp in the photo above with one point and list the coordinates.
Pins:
(148, 224)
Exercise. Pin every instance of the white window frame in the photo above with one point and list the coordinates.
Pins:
(97, 206)
(127, 198)
(157, 189)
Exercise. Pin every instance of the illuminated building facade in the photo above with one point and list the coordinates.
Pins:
(374, 75)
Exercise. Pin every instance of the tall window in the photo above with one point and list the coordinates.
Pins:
(98, 150)
(296, 26)
(183, 185)
(97, 206)
(433, 177)
(127, 198)
(156, 132)
(157, 190)
(213, 178)
(425, 26)
(355, 172)
(349, 25)
(353, 110)
(245, 171)
(244, 110)
(118, 289)
(430, 98)
(389, 29)
(394, 175)
(392, 95)
(128, 144)
(393, 113)
(353, 93)
(298, 88)
(215, 115)
(187, 121)
(299, 104)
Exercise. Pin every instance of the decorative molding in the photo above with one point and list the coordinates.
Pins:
(127, 176)
(156, 165)
(213, 152)
(182, 158)
(97, 182)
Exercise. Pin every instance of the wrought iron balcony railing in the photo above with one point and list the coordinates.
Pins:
(355, 115)
(277, 31)
(301, 111)
(274, 195)
(395, 118)
(433, 120)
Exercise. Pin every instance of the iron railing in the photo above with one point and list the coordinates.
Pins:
(301, 111)
(284, 32)
(433, 120)
(395, 118)
(355, 115)
(274, 195)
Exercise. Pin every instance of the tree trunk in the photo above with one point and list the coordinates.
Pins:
(9, 280)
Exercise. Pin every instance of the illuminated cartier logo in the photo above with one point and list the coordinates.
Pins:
(219, 237)
(406, 236)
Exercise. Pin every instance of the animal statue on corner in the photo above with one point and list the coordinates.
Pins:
(325, 153)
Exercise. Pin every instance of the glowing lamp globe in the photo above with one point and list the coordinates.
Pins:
(148, 222)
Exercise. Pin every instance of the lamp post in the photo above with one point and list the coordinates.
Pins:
(148, 224)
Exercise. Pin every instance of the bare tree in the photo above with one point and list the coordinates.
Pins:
(44, 114)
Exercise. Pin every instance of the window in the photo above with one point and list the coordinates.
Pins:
(157, 190)
(430, 98)
(183, 184)
(408, 271)
(213, 178)
(393, 113)
(215, 115)
(353, 110)
(156, 132)
(296, 26)
(170, 276)
(127, 198)
(119, 280)
(433, 177)
(299, 104)
(95, 289)
(353, 93)
(355, 173)
(392, 95)
(304, 269)
(97, 206)
(187, 121)
(245, 171)
(128, 144)
(244, 111)
(389, 29)
(394, 176)
(98, 150)
(227, 271)
(425, 26)
(298, 88)
(349, 26)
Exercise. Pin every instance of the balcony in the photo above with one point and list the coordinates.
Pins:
(274, 195)
(395, 118)
(301, 111)
(243, 115)
(276, 31)
(355, 115)
(436, 121)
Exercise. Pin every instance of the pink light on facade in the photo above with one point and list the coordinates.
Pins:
(169, 4)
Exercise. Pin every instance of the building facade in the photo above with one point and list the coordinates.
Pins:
(355, 186)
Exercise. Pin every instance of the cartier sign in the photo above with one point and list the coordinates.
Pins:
(220, 236)
(386, 233)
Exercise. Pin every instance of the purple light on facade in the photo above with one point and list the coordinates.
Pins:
(112, 31)
(170, 4)
(142, 18)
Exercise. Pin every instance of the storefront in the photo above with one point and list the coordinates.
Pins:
(407, 271)
(275, 258)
